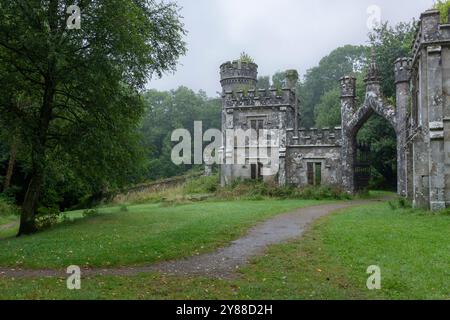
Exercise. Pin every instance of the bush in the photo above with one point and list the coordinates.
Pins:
(7, 206)
(202, 185)
(47, 217)
(258, 190)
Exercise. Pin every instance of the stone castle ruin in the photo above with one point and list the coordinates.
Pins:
(332, 156)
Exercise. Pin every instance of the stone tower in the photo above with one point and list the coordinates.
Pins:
(238, 76)
(269, 115)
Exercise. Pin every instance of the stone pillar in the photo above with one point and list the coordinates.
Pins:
(402, 82)
(436, 127)
(446, 106)
(348, 102)
(421, 145)
(291, 83)
(282, 147)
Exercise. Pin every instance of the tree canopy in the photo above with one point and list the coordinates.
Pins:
(73, 95)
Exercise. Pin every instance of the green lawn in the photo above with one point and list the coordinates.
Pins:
(7, 219)
(143, 234)
(329, 262)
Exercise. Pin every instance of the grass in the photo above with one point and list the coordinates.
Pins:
(329, 262)
(8, 219)
(141, 234)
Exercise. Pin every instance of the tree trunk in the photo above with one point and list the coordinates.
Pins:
(29, 207)
(11, 164)
(38, 149)
(38, 155)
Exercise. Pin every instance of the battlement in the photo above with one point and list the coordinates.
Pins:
(317, 137)
(403, 69)
(259, 98)
(238, 75)
(348, 87)
(430, 31)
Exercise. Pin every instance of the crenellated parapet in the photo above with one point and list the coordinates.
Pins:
(320, 137)
(402, 69)
(259, 98)
(238, 75)
(430, 31)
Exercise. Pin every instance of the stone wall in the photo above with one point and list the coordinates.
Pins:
(428, 127)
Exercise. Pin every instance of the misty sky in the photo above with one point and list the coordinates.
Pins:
(278, 34)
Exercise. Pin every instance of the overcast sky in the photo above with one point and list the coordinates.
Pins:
(278, 34)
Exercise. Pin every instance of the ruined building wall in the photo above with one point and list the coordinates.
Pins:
(428, 144)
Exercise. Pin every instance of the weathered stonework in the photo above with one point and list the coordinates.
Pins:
(427, 142)
(421, 119)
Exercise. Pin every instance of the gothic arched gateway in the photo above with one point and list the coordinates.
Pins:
(354, 117)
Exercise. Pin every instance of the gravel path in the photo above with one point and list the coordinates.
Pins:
(222, 263)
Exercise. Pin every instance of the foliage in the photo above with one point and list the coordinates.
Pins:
(7, 206)
(202, 185)
(258, 190)
(166, 112)
(263, 82)
(325, 77)
(391, 43)
(245, 58)
(443, 7)
(328, 111)
(47, 218)
(73, 95)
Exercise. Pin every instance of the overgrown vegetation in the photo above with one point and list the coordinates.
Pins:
(443, 7)
(258, 190)
(208, 188)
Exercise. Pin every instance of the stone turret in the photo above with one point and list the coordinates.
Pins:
(373, 78)
(348, 87)
(238, 75)
(373, 74)
(403, 70)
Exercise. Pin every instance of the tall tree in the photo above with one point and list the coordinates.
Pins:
(325, 77)
(82, 85)
(168, 111)
(391, 43)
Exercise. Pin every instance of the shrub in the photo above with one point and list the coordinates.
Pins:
(90, 213)
(259, 190)
(7, 206)
(47, 217)
(202, 185)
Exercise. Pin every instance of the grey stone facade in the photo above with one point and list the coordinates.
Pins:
(421, 119)
(427, 143)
